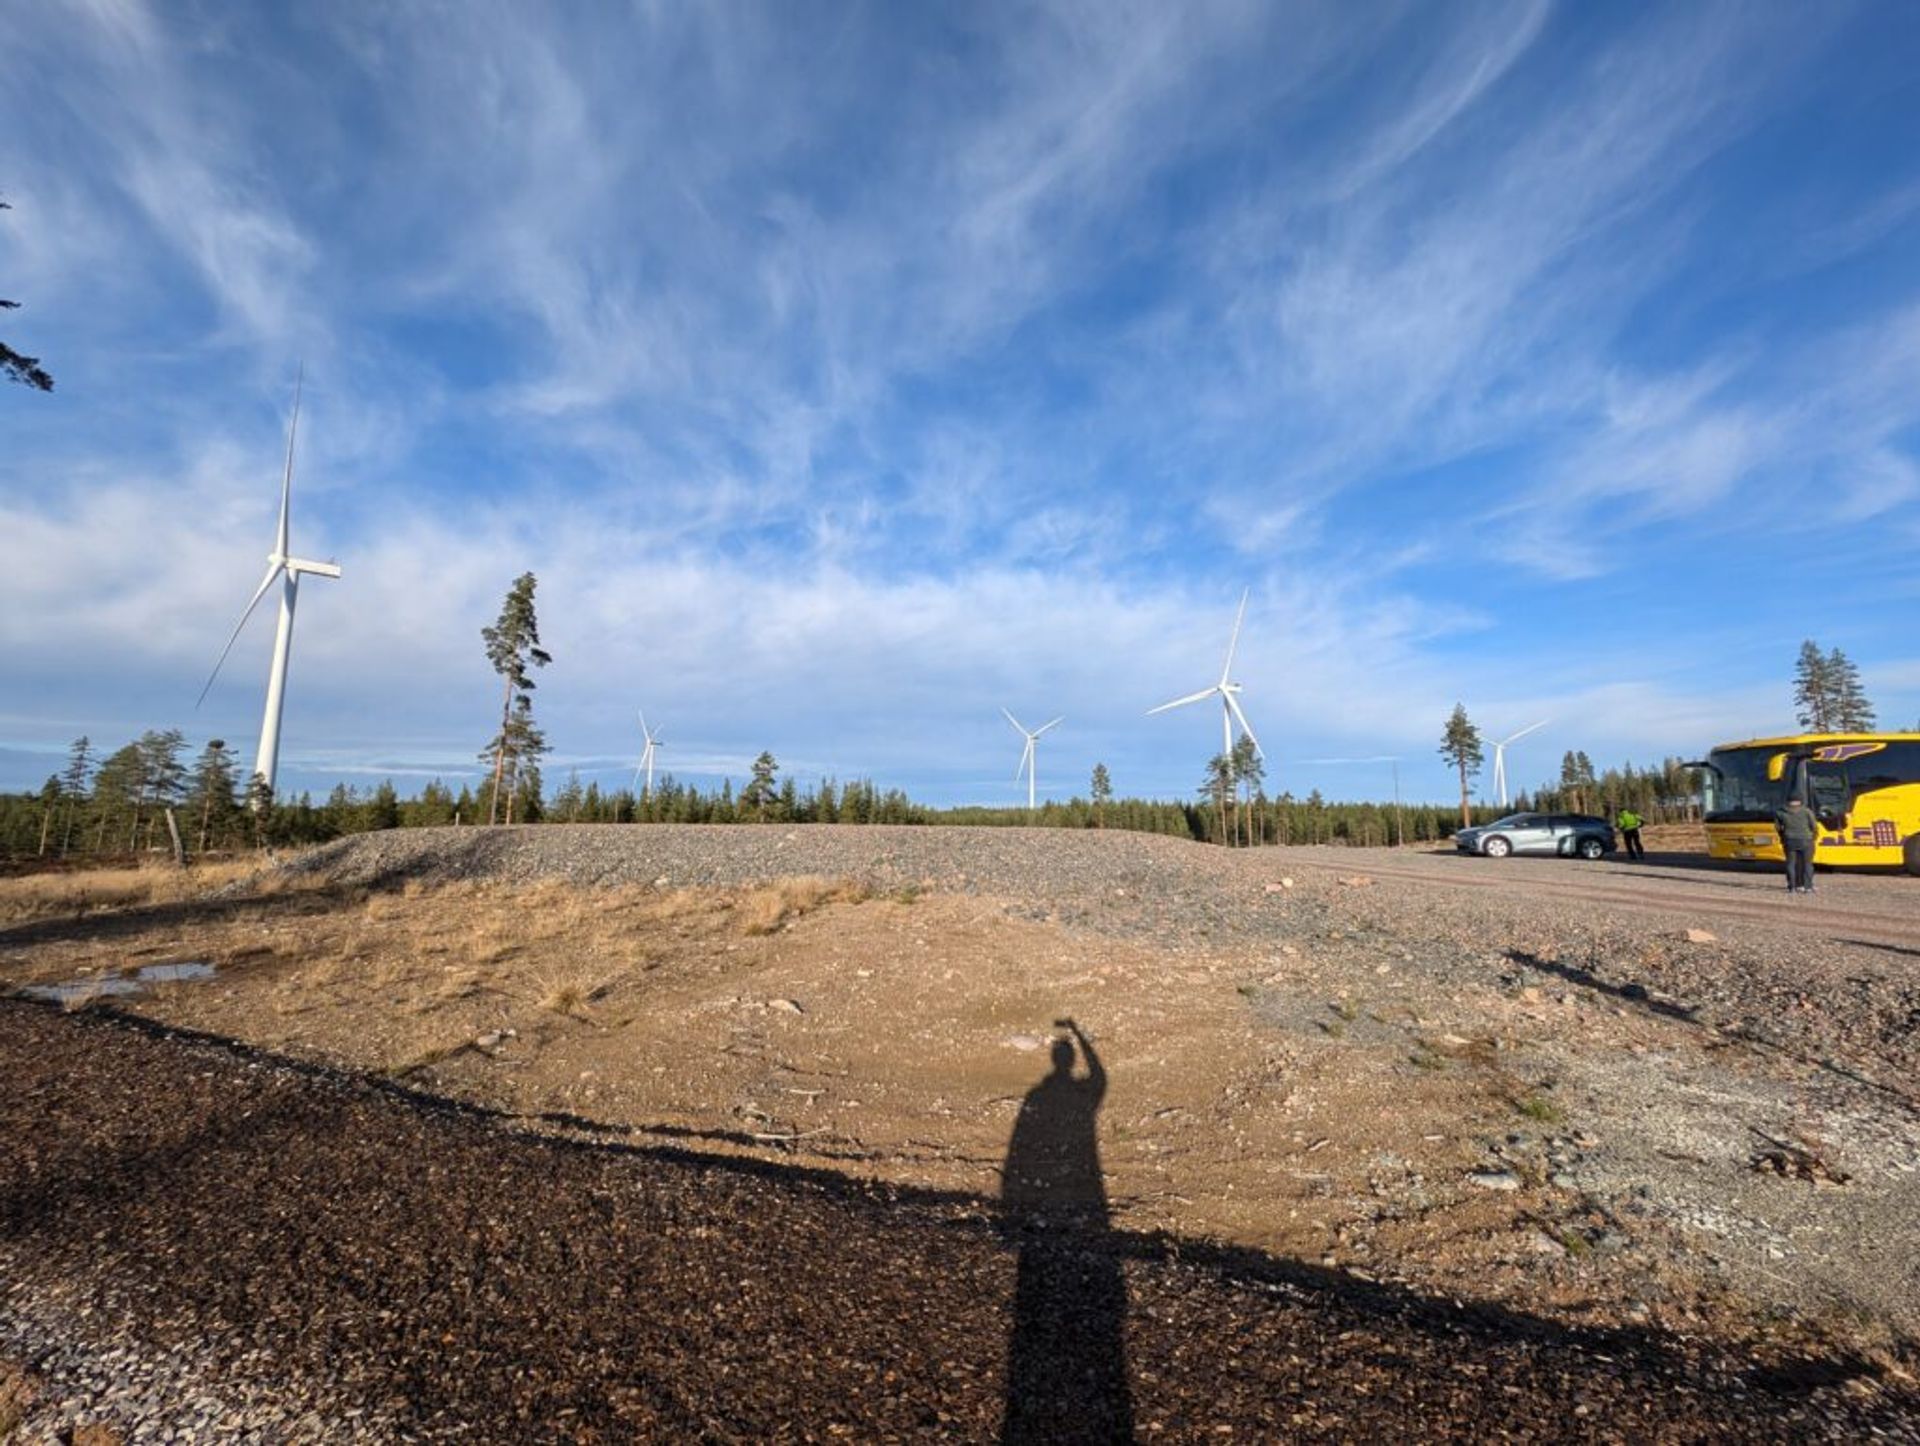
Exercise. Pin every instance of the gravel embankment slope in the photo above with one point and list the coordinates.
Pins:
(1840, 982)
(297, 1254)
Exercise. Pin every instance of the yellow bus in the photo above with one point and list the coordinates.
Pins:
(1865, 788)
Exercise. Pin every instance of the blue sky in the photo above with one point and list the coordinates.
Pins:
(848, 373)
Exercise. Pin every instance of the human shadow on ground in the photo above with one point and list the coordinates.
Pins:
(1067, 1354)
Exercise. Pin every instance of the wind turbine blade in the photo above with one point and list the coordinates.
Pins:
(645, 731)
(1204, 693)
(1021, 766)
(1246, 727)
(1045, 726)
(1514, 738)
(1015, 722)
(286, 481)
(1234, 641)
(273, 571)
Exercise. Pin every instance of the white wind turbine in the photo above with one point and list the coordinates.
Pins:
(646, 755)
(1500, 757)
(281, 564)
(1228, 692)
(1027, 755)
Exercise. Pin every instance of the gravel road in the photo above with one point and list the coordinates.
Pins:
(199, 1240)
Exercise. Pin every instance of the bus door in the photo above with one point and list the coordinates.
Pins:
(1822, 786)
(1829, 794)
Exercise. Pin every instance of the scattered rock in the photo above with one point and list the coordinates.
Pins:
(786, 1006)
(1790, 1162)
(1494, 1179)
(490, 1040)
(1279, 886)
(1701, 936)
(1357, 881)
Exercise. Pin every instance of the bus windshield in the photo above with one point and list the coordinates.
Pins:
(1737, 787)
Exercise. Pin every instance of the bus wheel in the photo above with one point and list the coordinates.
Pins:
(1913, 855)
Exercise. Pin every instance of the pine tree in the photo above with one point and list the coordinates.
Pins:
(1813, 690)
(383, 809)
(49, 809)
(760, 792)
(260, 805)
(16, 366)
(210, 792)
(1217, 784)
(117, 790)
(1102, 794)
(1852, 713)
(76, 782)
(1460, 745)
(1249, 773)
(162, 774)
(570, 803)
(513, 648)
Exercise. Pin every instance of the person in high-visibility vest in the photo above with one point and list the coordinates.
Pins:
(1629, 823)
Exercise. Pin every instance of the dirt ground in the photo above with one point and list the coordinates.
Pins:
(1341, 1095)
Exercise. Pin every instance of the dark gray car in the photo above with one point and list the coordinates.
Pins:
(1567, 835)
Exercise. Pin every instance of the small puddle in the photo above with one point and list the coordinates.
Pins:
(115, 986)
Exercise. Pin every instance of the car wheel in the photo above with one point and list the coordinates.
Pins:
(1913, 856)
(1498, 848)
(1590, 848)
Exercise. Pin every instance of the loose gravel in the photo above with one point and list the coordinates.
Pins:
(338, 1260)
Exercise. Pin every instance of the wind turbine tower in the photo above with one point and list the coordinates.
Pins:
(654, 741)
(1500, 758)
(1027, 755)
(288, 570)
(1228, 692)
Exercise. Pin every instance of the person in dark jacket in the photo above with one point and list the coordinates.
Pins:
(1798, 830)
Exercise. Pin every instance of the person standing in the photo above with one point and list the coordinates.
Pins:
(1628, 822)
(1798, 830)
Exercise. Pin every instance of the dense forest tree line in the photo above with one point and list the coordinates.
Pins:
(116, 805)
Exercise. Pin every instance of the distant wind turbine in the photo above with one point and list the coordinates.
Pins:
(1027, 756)
(1500, 757)
(281, 564)
(1228, 692)
(654, 741)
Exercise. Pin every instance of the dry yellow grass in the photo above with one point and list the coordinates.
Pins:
(763, 910)
(572, 993)
(42, 896)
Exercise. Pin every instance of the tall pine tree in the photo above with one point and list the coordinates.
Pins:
(1813, 701)
(513, 647)
(1460, 745)
(1852, 713)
